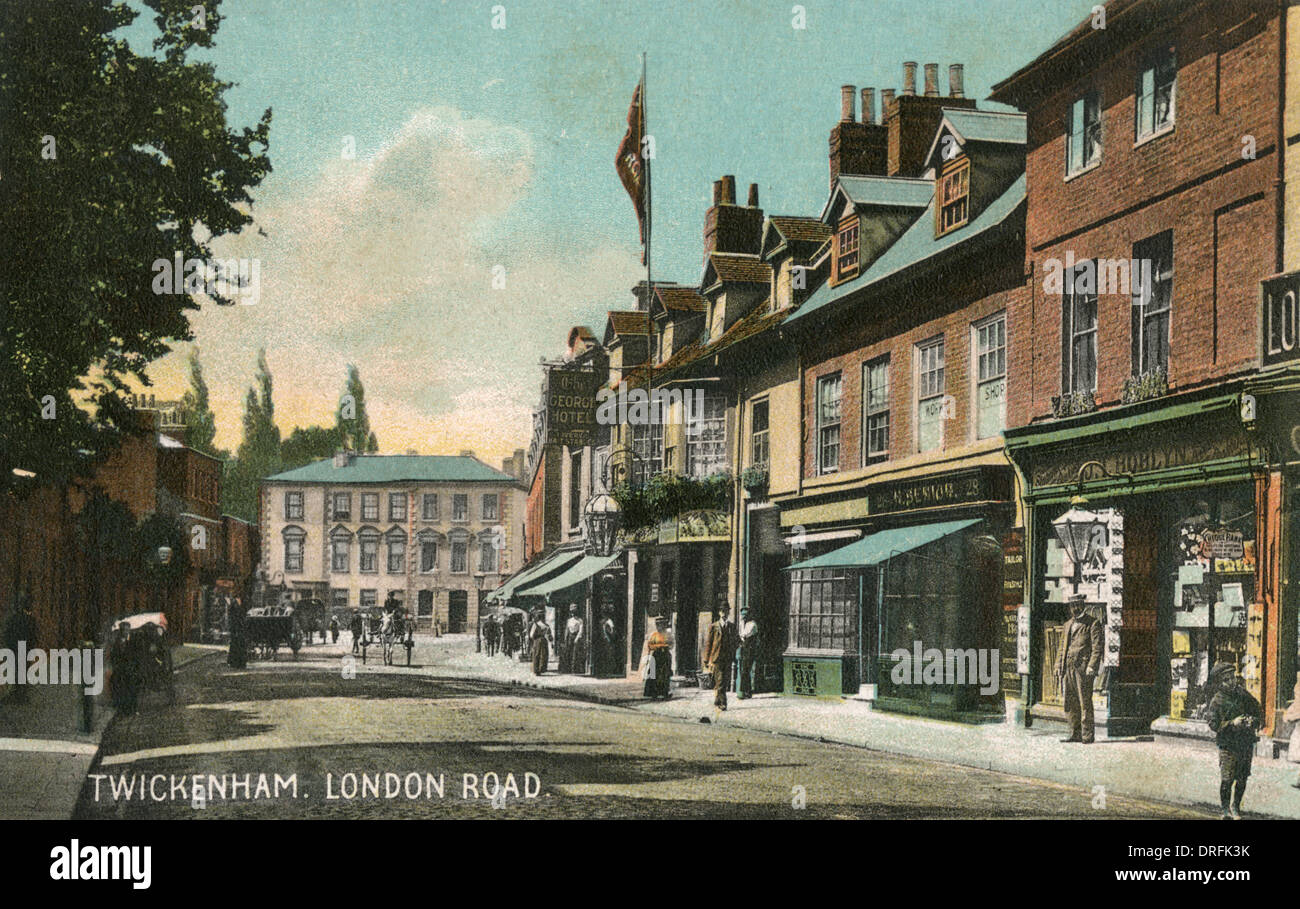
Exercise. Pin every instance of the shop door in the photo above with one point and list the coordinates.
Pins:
(772, 606)
(458, 612)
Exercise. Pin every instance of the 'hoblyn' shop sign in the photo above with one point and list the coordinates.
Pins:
(1142, 453)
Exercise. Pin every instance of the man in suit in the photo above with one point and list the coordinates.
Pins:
(1076, 668)
(719, 652)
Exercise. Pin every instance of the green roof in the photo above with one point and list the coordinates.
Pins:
(902, 191)
(880, 547)
(917, 244)
(396, 469)
(988, 126)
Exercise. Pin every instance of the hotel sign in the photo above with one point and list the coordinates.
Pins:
(571, 406)
(1279, 312)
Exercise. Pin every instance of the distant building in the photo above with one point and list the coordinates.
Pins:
(435, 531)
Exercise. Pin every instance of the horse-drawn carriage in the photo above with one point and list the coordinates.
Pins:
(268, 628)
(391, 628)
(141, 659)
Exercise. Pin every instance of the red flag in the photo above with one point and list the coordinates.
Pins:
(631, 169)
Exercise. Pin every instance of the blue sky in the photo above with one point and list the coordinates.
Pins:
(478, 147)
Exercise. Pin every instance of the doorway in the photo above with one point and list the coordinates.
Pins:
(457, 612)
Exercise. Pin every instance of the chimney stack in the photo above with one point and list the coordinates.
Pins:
(912, 119)
(728, 190)
(467, 453)
(858, 147)
(847, 93)
(869, 106)
(732, 228)
(886, 99)
(909, 78)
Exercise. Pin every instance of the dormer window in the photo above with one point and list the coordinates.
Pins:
(846, 248)
(954, 196)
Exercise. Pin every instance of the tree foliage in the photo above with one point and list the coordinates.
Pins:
(110, 160)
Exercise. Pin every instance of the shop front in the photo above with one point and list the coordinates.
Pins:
(587, 607)
(910, 613)
(1176, 552)
(679, 574)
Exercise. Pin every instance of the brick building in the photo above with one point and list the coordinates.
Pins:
(1156, 206)
(905, 495)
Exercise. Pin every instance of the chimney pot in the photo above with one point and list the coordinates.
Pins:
(886, 99)
(932, 80)
(753, 195)
(909, 78)
(869, 106)
(717, 192)
(729, 190)
(846, 103)
(956, 88)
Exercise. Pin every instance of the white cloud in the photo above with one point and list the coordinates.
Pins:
(387, 262)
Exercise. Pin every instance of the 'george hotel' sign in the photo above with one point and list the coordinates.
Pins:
(1279, 316)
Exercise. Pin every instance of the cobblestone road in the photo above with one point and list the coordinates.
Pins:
(328, 738)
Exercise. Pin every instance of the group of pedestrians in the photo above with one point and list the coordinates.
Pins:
(574, 646)
(727, 646)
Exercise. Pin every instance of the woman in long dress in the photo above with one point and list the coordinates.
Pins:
(659, 664)
(540, 635)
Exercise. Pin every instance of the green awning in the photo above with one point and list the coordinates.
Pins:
(576, 573)
(556, 561)
(1070, 430)
(878, 547)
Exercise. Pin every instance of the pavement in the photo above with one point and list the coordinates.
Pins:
(46, 776)
(45, 754)
(1180, 773)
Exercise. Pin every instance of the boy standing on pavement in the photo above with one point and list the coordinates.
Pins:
(1233, 716)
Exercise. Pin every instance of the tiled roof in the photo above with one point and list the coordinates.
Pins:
(739, 268)
(757, 321)
(394, 469)
(917, 244)
(633, 322)
(680, 299)
(810, 230)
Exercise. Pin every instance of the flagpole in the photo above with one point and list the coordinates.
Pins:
(649, 287)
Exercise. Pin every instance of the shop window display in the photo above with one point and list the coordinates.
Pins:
(1213, 581)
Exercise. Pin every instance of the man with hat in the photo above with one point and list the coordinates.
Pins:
(1233, 716)
(1076, 668)
(719, 652)
(748, 654)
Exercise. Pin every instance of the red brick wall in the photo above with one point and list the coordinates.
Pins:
(956, 300)
(1193, 181)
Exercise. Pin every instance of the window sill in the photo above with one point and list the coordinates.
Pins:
(1083, 171)
(1151, 137)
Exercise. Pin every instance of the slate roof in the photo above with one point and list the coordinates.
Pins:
(396, 469)
(988, 126)
(917, 244)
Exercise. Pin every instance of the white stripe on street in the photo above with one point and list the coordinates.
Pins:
(53, 746)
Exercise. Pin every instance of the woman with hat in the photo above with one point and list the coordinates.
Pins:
(1233, 716)
(658, 670)
(540, 635)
